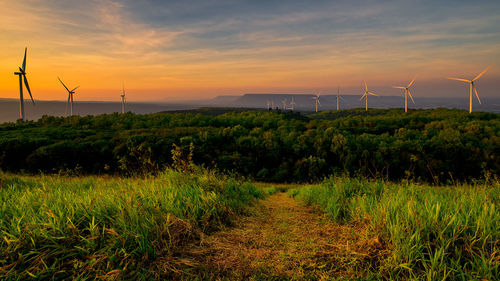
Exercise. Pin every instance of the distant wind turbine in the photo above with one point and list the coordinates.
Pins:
(365, 95)
(338, 98)
(22, 76)
(316, 101)
(123, 99)
(283, 102)
(292, 104)
(472, 86)
(70, 96)
(407, 93)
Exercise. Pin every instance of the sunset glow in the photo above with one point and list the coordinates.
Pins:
(171, 50)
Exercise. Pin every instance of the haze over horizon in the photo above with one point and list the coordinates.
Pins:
(182, 51)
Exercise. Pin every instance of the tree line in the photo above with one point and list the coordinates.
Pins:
(436, 145)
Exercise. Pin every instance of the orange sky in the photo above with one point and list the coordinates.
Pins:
(100, 44)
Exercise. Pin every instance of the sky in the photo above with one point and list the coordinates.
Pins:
(174, 50)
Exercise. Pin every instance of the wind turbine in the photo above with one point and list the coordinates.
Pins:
(292, 104)
(338, 98)
(123, 99)
(283, 102)
(22, 76)
(365, 95)
(70, 96)
(472, 86)
(316, 101)
(268, 104)
(407, 93)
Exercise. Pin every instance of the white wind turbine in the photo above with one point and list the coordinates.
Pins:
(22, 76)
(123, 99)
(283, 102)
(338, 98)
(292, 104)
(365, 95)
(268, 104)
(407, 93)
(316, 101)
(472, 86)
(70, 96)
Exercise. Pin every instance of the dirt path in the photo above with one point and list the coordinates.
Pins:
(283, 239)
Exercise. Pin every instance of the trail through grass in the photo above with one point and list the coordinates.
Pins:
(206, 227)
(285, 240)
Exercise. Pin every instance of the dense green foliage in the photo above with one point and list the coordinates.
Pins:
(431, 145)
(54, 227)
(433, 233)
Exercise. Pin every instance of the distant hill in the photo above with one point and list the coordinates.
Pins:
(224, 99)
(305, 102)
(9, 108)
(213, 111)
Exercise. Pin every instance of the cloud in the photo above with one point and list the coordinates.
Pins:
(212, 43)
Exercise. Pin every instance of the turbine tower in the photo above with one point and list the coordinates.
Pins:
(316, 101)
(123, 99)
(292, 104)
(407, 93)
(338, 97)
(472, 86)
(70, 96)
(22, 76)
(365, 95)
(268, 104)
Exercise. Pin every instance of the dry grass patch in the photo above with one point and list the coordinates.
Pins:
(284, 239)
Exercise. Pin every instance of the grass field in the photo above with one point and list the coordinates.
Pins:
(205, 226)
(433, 233)
(55, 227)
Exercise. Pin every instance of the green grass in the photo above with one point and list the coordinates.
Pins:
(54, 227)
(433, 233)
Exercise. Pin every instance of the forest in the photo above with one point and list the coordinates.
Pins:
(435, 146)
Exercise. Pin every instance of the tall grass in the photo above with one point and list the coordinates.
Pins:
(434, 233)
(62, 227)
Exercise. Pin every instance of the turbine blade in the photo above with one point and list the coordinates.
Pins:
(399, 87)
(373, 94)
(411, 97)
(75, 88)
(24, 60)
(63, 84)
(319, 103)
(69, 97)
(363, 96)
(459, 79)
(475, 91)
(28, 88)
(481, 74)
(366, 86)
(412, 81)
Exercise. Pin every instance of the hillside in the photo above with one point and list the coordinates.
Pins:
(427, 145)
